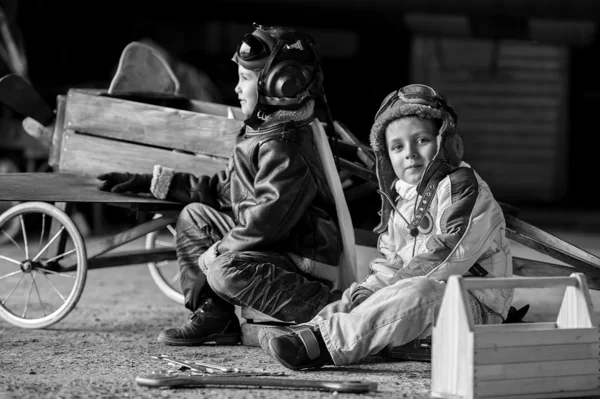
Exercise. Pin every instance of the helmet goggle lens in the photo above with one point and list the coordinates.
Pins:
(252, 48)
(411, 94)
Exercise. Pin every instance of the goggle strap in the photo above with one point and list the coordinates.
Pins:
(267, 39)
(267, 66)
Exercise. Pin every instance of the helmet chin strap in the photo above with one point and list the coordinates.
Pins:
(257, 117)
(435, 172)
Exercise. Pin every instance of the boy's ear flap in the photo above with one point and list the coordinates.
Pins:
(453, 149)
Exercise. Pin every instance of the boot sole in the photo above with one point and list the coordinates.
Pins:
(215, 339)
(313, 365)
(265, 335)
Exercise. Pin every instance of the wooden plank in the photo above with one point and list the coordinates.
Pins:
(57, 136)
(203, 107)
(513, 327)
(500, 339)
(541, 241)
(150, 124)
(508, 48)
(533, 116)
(519, 282)
(529, 132)
(495, 87)
(495, 372)
(534, 268)
(495, 153)
(221, 110)
(542, 353)
(114, 241)
(143, 256)
(533, 100)
(551, 395)
(91, 156)
(537, 385)
(69, 187)
(504, 75)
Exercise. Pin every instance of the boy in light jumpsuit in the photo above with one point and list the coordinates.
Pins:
(438, 218)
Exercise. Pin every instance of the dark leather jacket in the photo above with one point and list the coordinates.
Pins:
(276, 189)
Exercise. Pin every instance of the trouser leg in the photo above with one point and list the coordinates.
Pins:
(198, 227)
(392, 316)
(269, 282)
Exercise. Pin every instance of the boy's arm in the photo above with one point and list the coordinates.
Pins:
(384, 270)
(283, 190)
(188, 188)
(467, 223)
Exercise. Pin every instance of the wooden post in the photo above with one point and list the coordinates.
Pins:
(452, 344)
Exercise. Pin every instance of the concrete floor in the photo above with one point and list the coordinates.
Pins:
(106, 341)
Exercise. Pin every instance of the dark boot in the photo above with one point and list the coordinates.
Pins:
(265, 335)
(208, 325)
(301, 349)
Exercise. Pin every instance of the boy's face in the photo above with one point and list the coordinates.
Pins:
(246, 89)
(411, 145)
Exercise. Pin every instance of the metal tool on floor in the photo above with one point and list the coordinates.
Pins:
(175, 379)
(207, 368)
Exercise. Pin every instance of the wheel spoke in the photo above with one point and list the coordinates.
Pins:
(38, 293)
(10, 274)
(58, 274)
(12, 240)
(27, 302)
(24, 236)
(60, 256)
(162, 263)
(55, 289)
(174, 279)
(43, 229)
(16, 262)
(49, 243)
(172, 230)
(164, 243)
(14, 289)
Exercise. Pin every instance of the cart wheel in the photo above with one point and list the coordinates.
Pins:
(165, 273)
(12, 227)
(34, 291)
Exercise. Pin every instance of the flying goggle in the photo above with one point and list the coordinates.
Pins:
(415, 94)
(256, 45)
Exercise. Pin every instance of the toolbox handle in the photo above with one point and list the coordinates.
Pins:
(576, 309)
(520, 282)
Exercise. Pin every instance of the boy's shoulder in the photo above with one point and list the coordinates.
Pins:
(289, 132)
(462, 179)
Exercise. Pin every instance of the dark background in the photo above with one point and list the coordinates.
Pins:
(365, 51)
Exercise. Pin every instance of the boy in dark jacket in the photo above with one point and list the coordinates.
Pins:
(263, 233)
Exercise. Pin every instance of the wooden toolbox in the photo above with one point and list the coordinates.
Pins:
(526, 360)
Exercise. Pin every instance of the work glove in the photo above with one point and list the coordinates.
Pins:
(208, 257)
(359, 295)
(122, 182)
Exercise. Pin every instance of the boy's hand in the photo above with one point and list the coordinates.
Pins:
(121, 182)
(208, 257)
(359, 295)
(38, 131)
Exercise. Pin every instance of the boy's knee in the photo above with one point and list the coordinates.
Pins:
(191, 214)
(425, 285)
(220, 275)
